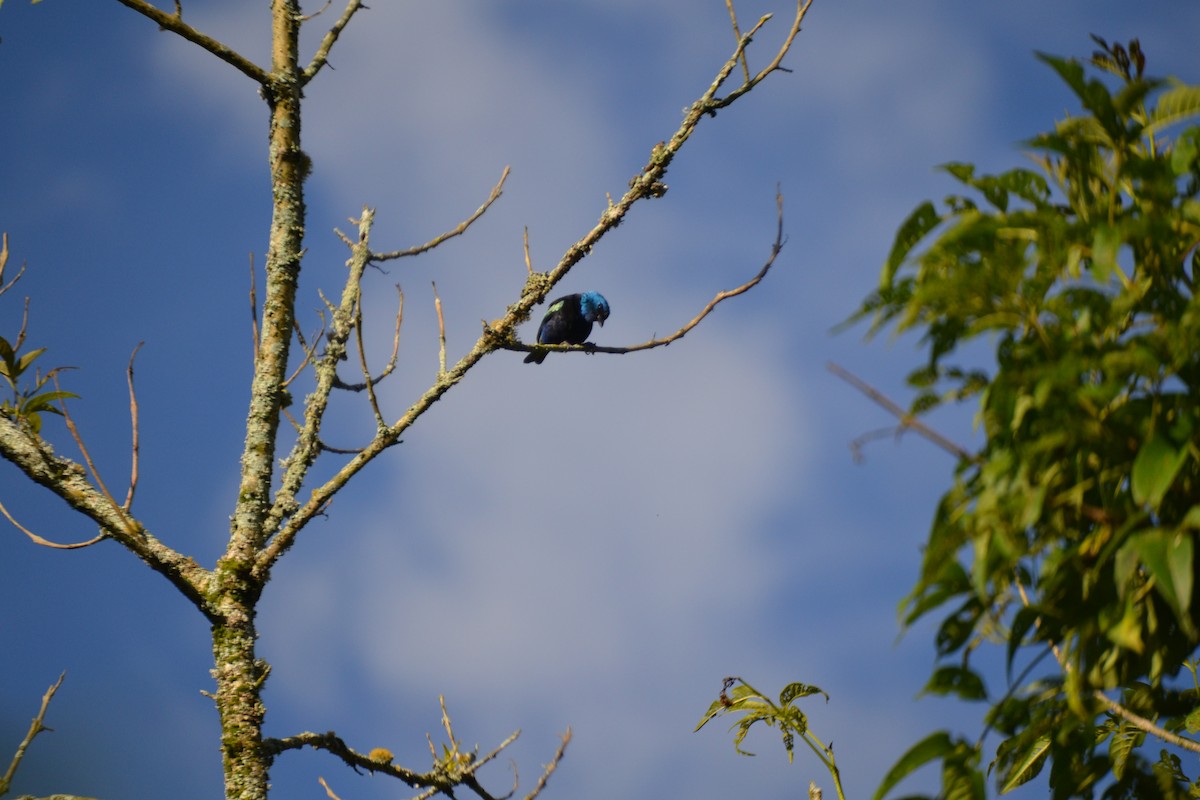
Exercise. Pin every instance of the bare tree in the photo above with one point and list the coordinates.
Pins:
(277, 497)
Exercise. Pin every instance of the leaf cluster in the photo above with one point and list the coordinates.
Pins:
(753, 707)
(1072, 529)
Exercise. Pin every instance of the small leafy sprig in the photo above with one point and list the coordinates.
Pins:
(27, 403)
(739, 697)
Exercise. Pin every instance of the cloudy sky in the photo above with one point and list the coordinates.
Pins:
(593, 542)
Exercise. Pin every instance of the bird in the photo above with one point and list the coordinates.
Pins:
(569, 320)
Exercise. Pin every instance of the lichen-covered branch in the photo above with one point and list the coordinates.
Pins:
(646, 184)
(308, 444)
(175, 24)
(68, 479)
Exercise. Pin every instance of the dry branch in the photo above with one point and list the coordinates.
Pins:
(175, 24)
(907, 421)
(321, 57)
(46, 542)
(458, 230)
(36, 727)
(135, 444)
(776, 247)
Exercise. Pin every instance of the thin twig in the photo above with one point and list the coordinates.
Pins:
(458, 230)
(338, 383)
(553, 765)
(362, 361)
(135, 447)
(801, 9)
(131, 527)
(310, 353)
(36, 727)
(317, 13)
(437, 304)
(737, 37)
(46, 542)
(525, 242)
(907, 420)
(776, 247)
(328, 791)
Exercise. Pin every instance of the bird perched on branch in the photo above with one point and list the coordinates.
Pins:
(569, 321)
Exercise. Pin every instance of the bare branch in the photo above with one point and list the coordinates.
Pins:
(36, 727)
(801, 9)
(328, 792)
(68, 479)
(46, 542)
(307, 447)
(497, 190)
(380, 423)
(175, 24)
(133, 424)
(737, 36)
(130, 526)
(553, 765)
(776, 247)
(332, 743)
(391, 365)
(309, 352)
(1146, 725)
(525, 244)
(321, 57)
(317, 13)
(907, 420)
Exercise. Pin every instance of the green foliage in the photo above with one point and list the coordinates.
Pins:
(739, 697)
(1072, 529)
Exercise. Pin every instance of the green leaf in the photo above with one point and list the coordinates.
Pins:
(1023, 621)
(920, 222)
(1175, 105)
(934, 746)
(795, 690)
(1168, 556)
(1154, 469)
(1027, 767)
(958, 680)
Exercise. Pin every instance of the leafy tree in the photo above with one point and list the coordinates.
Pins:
(279, 492)
(1068, 537)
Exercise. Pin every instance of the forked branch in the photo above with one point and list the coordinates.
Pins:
(289, 517)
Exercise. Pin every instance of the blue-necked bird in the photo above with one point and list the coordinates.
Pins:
(569, 320)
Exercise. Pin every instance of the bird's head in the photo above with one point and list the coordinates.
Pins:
(594, 307)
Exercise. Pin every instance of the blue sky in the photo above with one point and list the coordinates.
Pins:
(594, 542)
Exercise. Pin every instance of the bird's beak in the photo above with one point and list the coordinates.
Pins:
(600, 321)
